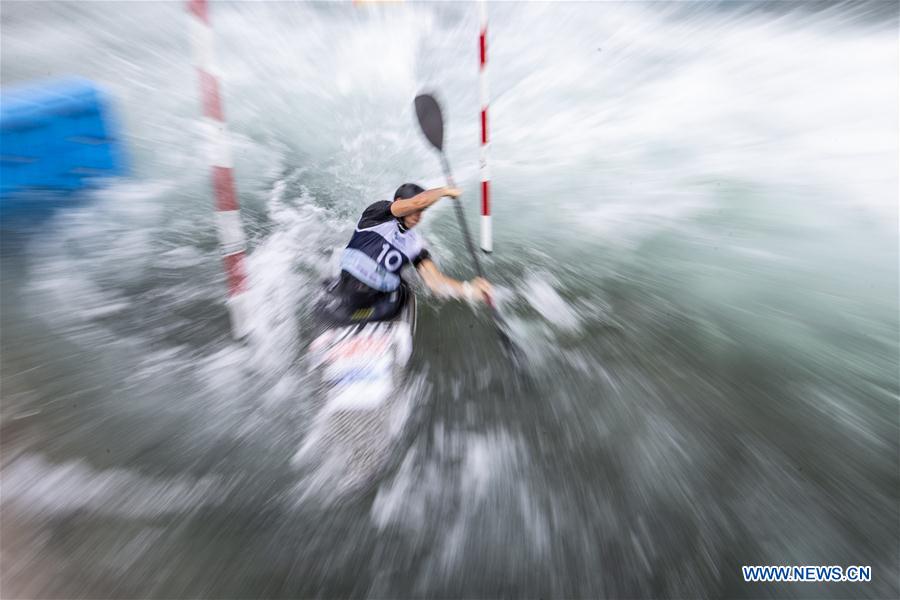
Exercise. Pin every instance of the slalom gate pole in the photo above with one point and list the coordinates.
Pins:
(487, 241)
(228, 218)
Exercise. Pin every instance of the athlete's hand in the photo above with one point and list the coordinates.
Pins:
(483, 287)
(453, 192)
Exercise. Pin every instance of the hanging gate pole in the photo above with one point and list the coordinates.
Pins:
(228, 218)
(487, 241)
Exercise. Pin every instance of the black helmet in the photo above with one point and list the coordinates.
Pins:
(407, 191)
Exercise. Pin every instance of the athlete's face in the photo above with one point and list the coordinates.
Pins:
(412, 220)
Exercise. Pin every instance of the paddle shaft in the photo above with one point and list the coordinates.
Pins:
(499, 322)
(461, 217)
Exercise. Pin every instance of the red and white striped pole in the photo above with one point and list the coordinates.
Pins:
(228, 218)
(487, 242)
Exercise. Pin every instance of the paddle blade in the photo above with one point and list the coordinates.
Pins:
(431, 121)
(512, 349)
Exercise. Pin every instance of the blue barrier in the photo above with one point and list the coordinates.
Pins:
(55, 135)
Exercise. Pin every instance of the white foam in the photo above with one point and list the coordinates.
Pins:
(34, 486)
(539, 292)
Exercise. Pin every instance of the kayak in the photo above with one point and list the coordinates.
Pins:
(362, 364)
(359, 368)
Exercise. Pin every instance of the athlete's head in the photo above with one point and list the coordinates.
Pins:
(405, 192)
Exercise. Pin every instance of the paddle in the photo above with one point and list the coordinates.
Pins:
(431, 121)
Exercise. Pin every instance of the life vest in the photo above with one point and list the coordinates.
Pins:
(380, 248)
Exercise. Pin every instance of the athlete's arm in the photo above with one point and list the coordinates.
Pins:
(442, 285)
(401, 208)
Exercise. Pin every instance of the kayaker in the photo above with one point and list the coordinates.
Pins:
(369, 287)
